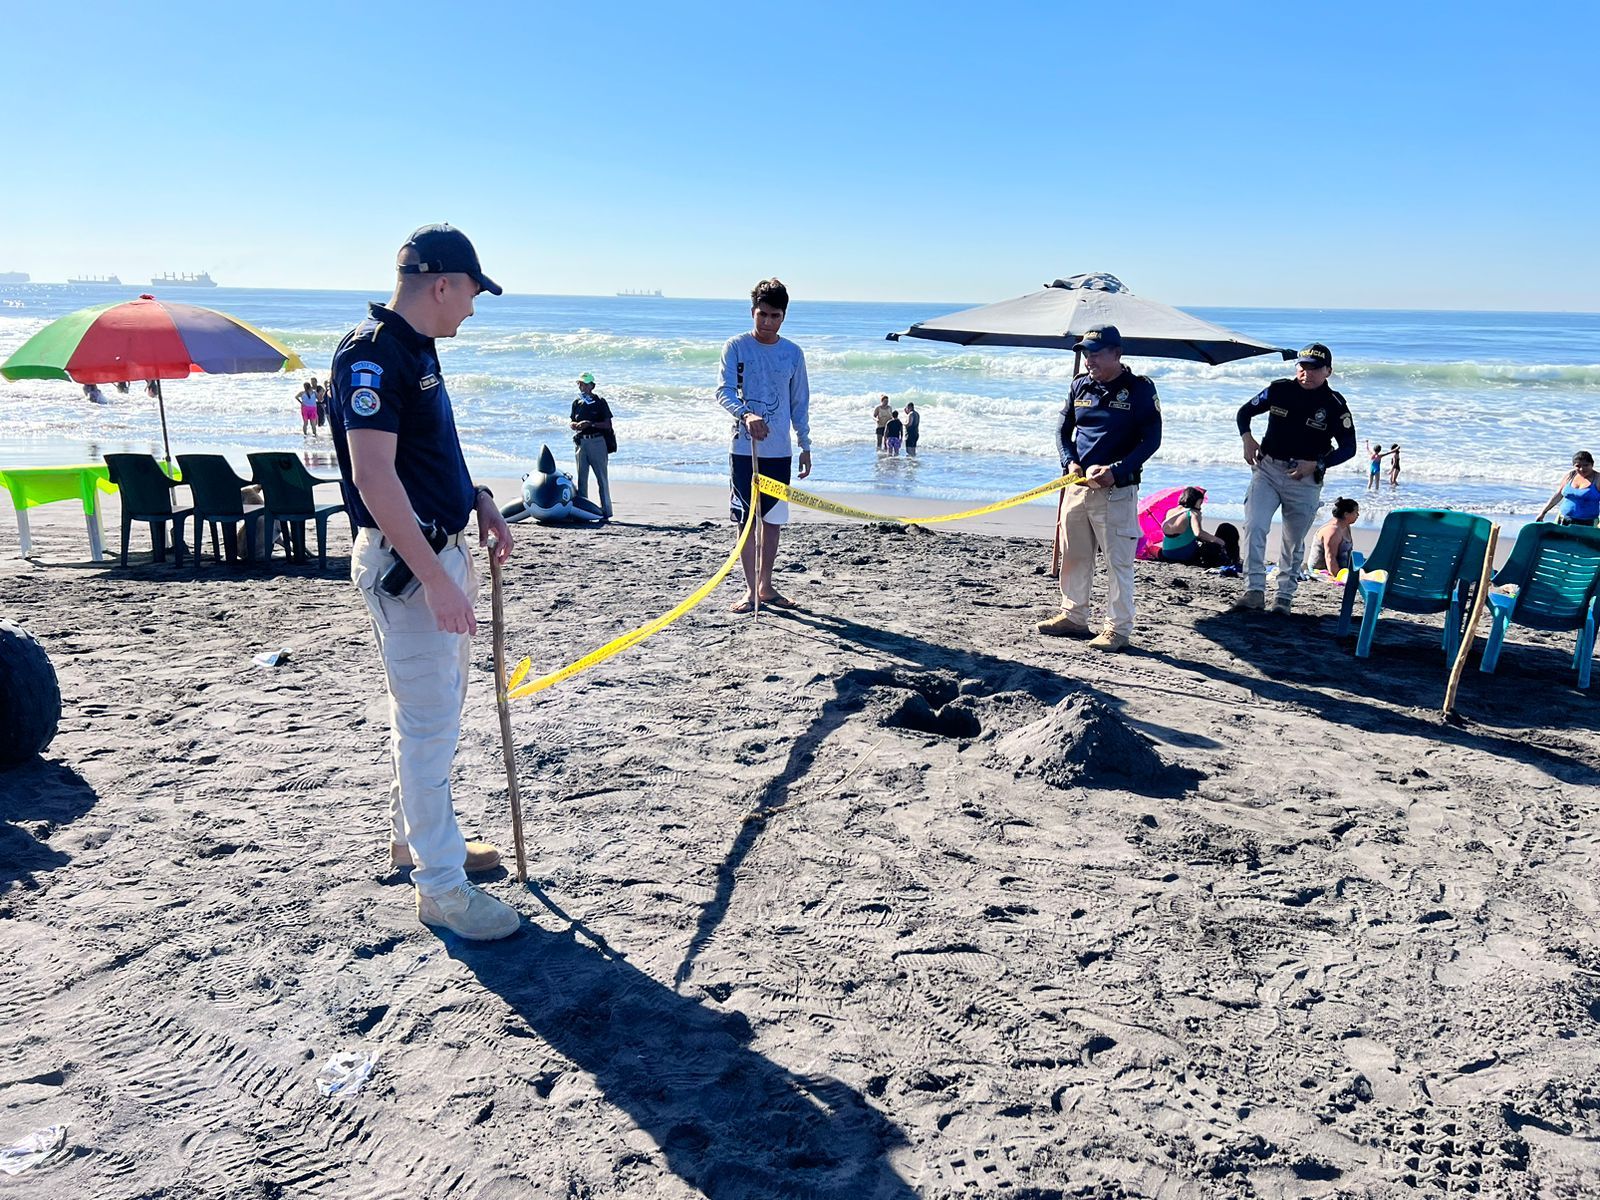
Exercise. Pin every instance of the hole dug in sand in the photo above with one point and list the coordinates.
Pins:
(1083, 742)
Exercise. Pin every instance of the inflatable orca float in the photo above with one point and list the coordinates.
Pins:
(550, 497)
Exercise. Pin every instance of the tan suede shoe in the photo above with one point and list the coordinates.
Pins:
(481, 856)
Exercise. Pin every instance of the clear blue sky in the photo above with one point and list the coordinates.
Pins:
(1338, 155)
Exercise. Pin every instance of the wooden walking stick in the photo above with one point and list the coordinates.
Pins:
(497, 609)
(1470, 633)
(1055, 546)
(755, 499)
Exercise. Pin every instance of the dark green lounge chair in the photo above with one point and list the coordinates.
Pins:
(1555, 570)
(219, 504)
(287, 489)
(1427, 560)
(145, 494)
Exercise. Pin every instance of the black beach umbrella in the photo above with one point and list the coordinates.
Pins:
(1055, 318)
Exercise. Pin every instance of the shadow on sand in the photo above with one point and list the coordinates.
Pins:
(729, 1122)
(42, 791)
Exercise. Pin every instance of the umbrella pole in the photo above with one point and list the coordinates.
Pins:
(1061, 496)
(166, 446)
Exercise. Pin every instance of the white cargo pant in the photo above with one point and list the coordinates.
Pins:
(426, 672)
(591, 453)
(1271, 489)
(1103, 520)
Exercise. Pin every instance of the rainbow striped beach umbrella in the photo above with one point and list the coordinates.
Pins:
(147, 339)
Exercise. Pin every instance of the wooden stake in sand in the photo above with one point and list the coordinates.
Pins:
(755, 499)
(497, 609)
(1061, 497)
(1470, 633)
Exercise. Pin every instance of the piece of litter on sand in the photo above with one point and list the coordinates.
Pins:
(38, 1148)
(272, 658)
(345, 1073)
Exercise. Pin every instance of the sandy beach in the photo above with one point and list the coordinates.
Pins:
(885, 896)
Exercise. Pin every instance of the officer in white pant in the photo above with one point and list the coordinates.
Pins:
(1309, 429)
(408, 491)
(1110, 427)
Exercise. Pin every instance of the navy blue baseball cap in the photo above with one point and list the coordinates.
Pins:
(1316, 355)
(1100, 337)
(444, 250)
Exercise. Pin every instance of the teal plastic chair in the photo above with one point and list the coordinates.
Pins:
(1429, 560)
(145, 494)
(219, 504)
(1556, 572)
(289, 492)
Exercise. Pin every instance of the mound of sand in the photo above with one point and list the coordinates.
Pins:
(1082, 742)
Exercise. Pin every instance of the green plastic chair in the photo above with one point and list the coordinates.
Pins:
(288, 490)
(145, 494)
(1426, 561)
(219, 504)
(1556, 572)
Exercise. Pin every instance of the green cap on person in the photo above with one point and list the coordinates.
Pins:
(586, 377)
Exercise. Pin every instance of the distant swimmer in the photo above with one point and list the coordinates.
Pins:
(1374, 464)
(1309, 429)
(1394, 466)
(93, 394)
(763, 387)
(913, 421)
(881, 414)
(892, 433)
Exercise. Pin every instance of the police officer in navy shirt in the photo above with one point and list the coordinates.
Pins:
(1110, 427)
(411, 498)
(1309, 429)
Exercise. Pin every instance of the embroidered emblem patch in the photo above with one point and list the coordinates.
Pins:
(1320, 420)
(428, 381)
(364, 402)
(366, 374)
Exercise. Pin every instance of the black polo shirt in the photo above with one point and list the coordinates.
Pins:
(1313, 424)
(594, 408)
(386, 376)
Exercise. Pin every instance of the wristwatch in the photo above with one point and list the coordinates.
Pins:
(479, 492)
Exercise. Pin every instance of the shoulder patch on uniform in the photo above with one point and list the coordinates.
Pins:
(428, 381)
(366, 375)
(364, 402)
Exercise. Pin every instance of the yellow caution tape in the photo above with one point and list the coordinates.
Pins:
(618, 645)
(770, 487)
(784, 492)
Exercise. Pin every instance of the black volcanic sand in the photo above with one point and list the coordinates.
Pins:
(887, 896)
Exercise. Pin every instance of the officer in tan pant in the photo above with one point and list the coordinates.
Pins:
(1109, 428)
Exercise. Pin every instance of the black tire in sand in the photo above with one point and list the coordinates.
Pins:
(30, 697)
(1082, 742)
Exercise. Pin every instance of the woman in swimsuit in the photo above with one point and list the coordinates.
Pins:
(1578, 494)
(1185, 540)
(1334, 548)
(1394, 466)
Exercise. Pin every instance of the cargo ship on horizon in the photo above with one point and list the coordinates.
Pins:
(13, 277)
(96, 281)
(185, 280)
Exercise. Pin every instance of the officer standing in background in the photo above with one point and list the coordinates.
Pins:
(592, 440)
(1110, 427)
(1309, 429)
(410, 496)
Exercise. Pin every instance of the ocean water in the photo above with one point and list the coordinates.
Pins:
(1487, 407)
